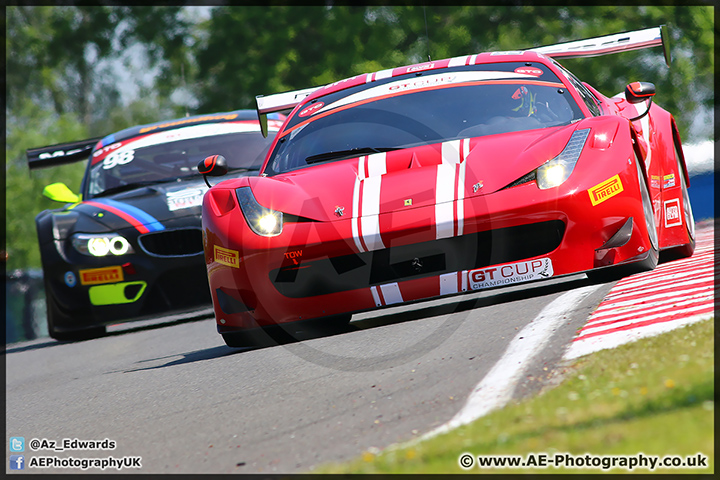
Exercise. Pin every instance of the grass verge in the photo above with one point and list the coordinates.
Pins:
(653, 397)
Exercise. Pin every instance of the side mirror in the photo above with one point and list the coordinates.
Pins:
(214, 166)
(638, 92)
(59, 192)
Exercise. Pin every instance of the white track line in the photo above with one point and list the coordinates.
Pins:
(496, 389)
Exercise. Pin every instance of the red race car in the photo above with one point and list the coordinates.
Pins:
(445, 177)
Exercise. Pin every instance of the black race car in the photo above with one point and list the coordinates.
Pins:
(130, 245)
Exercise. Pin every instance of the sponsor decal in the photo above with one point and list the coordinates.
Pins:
(107, 149)
(655, 181)
(97, 276)
(672, 213)
(339, 211)
(228, 257)
(510, 273)
(669, 181)
(605, 190)
(309, 110)
(294, 254)
(421, 67)
(206, 118)
(59, 153)
(188, 198)
(70, 279)
(187, 132)
(421, 82)
(408, 202)
(535, 72)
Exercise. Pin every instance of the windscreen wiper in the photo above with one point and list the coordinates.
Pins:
(352, 152)
(244, 169)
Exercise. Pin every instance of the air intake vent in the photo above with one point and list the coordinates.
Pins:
(173, 243)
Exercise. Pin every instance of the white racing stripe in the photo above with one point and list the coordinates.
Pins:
(387, 294)
(453, 282)
(450, 189)
(496, 389)
(366, 202)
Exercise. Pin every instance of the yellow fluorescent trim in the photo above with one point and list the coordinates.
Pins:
(96, 276)
(117, 293)
(228, 257)
(607, 189)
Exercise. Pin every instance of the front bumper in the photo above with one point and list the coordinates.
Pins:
(314, 269)
(87, 292)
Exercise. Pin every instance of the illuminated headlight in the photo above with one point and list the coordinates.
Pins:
(554, 172)
(263, 221)
(101, 245)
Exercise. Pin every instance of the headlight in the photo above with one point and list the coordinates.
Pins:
(263, 221)
(554, 172)
(101, 245)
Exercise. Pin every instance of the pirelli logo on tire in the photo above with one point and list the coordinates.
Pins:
(605, 190)
(228, 257)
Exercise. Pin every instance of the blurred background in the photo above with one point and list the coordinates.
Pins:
(79, 72)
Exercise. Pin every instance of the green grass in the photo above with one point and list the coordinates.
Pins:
(654, 396)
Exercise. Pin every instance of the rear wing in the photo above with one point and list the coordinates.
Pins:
(591, 47)
(619, 42)
(60, 154)
(277, 103)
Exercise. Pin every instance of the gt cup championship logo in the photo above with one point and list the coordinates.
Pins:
(510, 273)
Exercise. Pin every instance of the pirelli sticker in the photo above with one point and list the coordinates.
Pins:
(228, 257)
(605, 190)
(97, 276)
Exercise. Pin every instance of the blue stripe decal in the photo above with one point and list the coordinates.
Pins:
(148, 220)
(107, 140)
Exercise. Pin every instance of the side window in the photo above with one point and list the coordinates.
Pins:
(592, 103)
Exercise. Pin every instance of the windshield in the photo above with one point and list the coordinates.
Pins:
(173, 155)
(451, 108)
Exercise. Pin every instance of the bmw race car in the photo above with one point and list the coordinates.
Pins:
(130, 245)
(446, 177)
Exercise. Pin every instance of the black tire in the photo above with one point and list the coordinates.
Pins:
(610, 274)
(55, 316)
(688, 249)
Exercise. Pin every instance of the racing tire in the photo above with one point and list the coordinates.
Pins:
(688, 249)
(54, 314)
(610, 274)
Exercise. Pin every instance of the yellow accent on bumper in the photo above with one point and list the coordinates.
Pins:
(116, 293)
